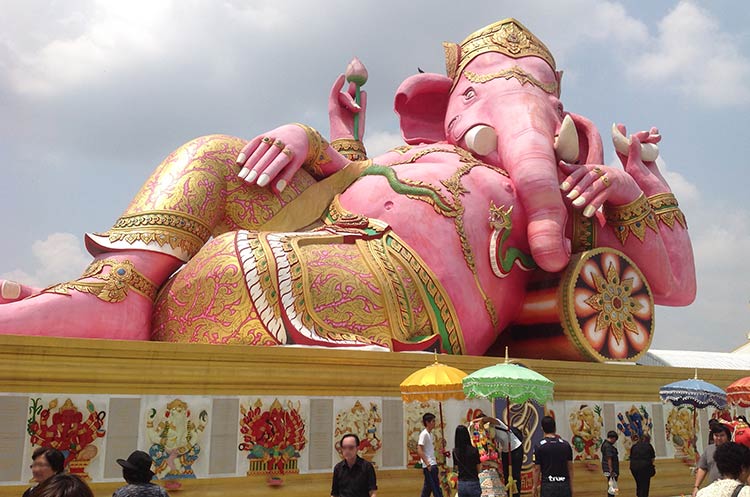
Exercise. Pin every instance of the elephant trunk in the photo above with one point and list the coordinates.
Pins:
(529, 157)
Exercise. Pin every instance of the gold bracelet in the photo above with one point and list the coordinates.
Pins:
(113, 286)
(667, 210)
(353, 150)
(631, 218)
(584, 232)
(316, 152)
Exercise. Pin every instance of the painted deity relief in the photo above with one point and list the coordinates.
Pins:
(66, 429)
(413, 412)
(680, 431)
(586, 426)
(633, 423)
(365, 423)
(273, 437)
(174, 433)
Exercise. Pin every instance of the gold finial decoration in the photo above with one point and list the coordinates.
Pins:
(508, 37)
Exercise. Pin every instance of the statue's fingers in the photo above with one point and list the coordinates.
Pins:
(336, 88)
(348, 102)
(248, 149)
(577, 181)
(276, 165)
(270, 154)
(574, 175)
(598, 197)
(363, 116)
(283, 178)
(250, 174)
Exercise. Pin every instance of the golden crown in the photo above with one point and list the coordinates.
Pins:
(508, 37)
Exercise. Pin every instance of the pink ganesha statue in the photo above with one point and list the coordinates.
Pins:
(495, 223)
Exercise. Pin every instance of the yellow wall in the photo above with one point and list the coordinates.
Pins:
(51, 365)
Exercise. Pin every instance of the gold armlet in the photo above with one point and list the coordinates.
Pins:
(351, 149)
(631, 218)
(667, 210)
(584, 232)
(316, 152)
(113, 285)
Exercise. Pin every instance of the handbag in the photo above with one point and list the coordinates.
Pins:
(652, 473)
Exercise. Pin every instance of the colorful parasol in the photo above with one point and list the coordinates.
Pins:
(513, 382)
(696, 393)
(434, 382)
(738, 393)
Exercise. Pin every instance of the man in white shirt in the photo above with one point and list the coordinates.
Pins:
(426, 451)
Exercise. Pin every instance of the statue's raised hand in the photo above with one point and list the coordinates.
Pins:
(273, 157)
(638, 156)
(342, 108)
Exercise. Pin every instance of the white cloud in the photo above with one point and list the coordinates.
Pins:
(59, 257)
(379, 142)
(692, 53)
(100, 40)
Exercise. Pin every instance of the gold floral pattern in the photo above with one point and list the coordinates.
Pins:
(614, 304)
(113, 286)
(633, 218)
(667, 210)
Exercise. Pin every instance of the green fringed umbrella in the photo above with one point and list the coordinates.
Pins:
(514, 383)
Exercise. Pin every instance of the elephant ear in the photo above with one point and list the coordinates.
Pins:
(421, 102)
(589, 141)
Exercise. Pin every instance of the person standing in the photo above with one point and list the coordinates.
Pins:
(642, 467)
(353, 477)
(733, 463)
(63, 485)
(46, 463)
(136, 471)
(553, 463)
(707, 471)
(610, 458)
(466, 459)
(426, 451)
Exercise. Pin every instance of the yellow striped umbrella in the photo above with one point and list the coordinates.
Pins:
(435, 382)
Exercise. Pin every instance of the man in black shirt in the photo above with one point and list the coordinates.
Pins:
(610, 459)
(353, 477)
(553, 463)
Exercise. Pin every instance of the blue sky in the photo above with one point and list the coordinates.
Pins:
(93, 94)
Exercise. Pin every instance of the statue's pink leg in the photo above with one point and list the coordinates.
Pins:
(73, 313)
(194, 194)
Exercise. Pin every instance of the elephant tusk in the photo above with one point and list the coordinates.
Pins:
(566, 142)
(481, 139)
(649, 151)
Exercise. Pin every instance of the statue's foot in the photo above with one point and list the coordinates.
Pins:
(78, 315)
(113, 299)
(11, 291)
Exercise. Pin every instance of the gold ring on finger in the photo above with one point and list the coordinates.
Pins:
(267, 139)
(605, 180)
(279, 144)
(286, 151)
(598, 171)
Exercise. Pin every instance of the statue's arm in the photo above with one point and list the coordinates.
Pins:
(639, 217)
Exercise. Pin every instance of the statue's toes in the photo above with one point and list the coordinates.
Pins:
(11, 291)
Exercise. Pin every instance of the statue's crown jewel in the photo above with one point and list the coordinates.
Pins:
(508, 37)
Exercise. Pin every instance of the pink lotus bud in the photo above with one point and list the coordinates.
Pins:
(356, 72)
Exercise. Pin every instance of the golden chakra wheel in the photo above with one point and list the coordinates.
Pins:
(607, 306)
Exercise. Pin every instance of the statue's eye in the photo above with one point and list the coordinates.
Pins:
(469, 93)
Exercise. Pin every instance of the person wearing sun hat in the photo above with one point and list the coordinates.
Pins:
(136, 470)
